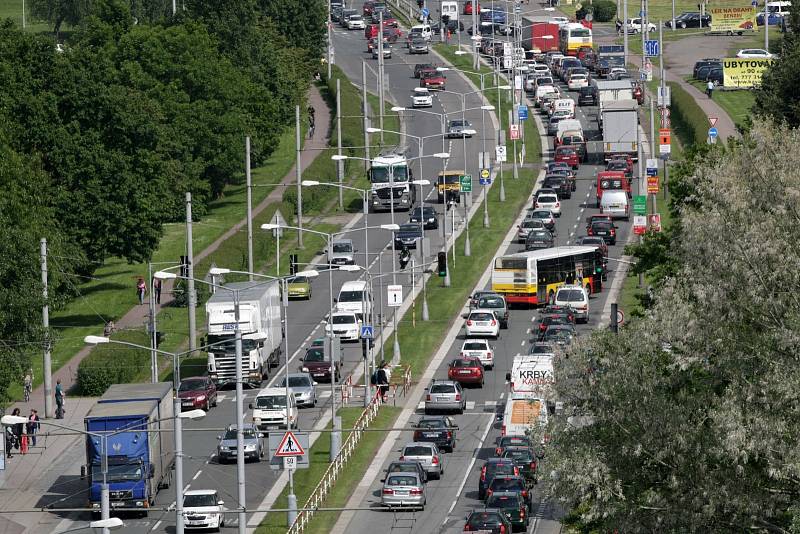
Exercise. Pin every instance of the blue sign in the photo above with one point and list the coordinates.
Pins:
(642, 14)
(425, 12)
(712, 132)
(522, 110)
(651, 48)
(652, 171)
(367, 331)
(485, 181)
(754, 3)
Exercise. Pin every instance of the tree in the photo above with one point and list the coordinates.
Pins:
(302, 22)
(57, 12)
(778, 95)
(694, 407)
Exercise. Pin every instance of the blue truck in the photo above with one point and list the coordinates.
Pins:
(137, 420)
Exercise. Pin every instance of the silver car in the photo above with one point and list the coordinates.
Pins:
(342, 252)
(253, 444)
(527, 225)
(459, 128)
(428, 456)
(403, 490)
(303, 387)
(445, 395)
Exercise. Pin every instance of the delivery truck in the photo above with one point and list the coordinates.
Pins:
(539, 37)
(524, 413)
(620, 128)
(532, 374)
(129, 445)
(261, 324)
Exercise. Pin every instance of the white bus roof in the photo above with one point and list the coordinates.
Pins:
(393, 159)
(550, 253)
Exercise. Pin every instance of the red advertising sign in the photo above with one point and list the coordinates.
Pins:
(652, 184)
(639, 224)
(654, 222)
(513, 131)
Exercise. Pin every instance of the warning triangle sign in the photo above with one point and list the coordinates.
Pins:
(289, 446)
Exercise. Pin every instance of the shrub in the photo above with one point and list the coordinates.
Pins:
(601, 10)
(114, 364)
(688, 119)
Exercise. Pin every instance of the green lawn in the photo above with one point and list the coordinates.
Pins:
(736, 103)
(12, 9)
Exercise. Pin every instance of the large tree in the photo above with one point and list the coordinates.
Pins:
(694, 407)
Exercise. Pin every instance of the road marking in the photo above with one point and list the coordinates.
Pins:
(421, 405)
(490, 403)
(470, 405)
(221, 397)
(186, 488)
(197, 474)
(522, 344)
(158, 523)
(325, 394)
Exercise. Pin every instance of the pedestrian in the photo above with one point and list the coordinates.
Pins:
(141, 289)
(33, 426)
(157, 289)
(317, 77)
(18, 430)
(27, 384)
(109, 328)
(383, 382)
(710, 89)
(59, 400)
(10, 440)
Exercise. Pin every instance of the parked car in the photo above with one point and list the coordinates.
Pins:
(253, 444)
(445, 395)
(427, 454)
(479, 348)
(403, 490)
(465, 370)
(756, 53)
(202, 509)
(303, 387)
(482, 323)
(690, 20)
(707, 62)
(440, 430)
(197, 392)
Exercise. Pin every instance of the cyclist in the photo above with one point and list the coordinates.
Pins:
(28, 385)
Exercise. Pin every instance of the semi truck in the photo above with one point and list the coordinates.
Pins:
(612, 91)
(539, 37)
(390, 176)
(129, 444)
(261, 324)
(620, 120)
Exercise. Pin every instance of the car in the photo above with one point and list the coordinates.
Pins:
(524, 459)
(452, 25)
(345, 325)
(421, 30)
(346, 14)
(593, 241)
(577, 81)
(422, 98)
(549, 202)
(540, 347)
(253, 444)
(492, 468)
(419, 68)
(755, 53)
(459, 128)
(408, 235)
(336, 13)
(511, 483)
(479, 348)
(559, 334)
(418, 45)
(372, 44)
(488, 521)
(298, 287)
(539, 239)
(690, 20)
(342, 252)
(546, 216)
(465, 370)
(560, 184)
(587, 96)
(387, 52)
(482, 323)
(445, 395)
(547, 321)
(355, 22)
(527, 226)
(707, 62)
(410, 466)
(432, 80)
(514, 508)
(202, 508)
(197, 392)
(498, 304)
(576, 297)
(440, 430)
(635, 25)
(551, 309)
(605, 229)
(303, 387)
(428, 456)
(425, 215)
(504, 442)
(318, 366)
(716, 76)
(620, 165)
(475, 297)
(389, 21)
(403, 490)
(552, 122)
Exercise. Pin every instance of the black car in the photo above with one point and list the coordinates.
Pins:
(707, 62)
(422, 66)
(425, 215)
(488, 520)
(440, 430)
(715, 75)
(560, 184)
(407, 467)
(690, 20)
(492, 468)
(540, 348)
(549, 320)
(513, 483)
(452, 25)
(606, 230)
(587, 96)
(525, 461)
(505, 442)
(538, 239)
(407, 236)
(605, 64)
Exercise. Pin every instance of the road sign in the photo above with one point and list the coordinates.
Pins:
(500, 154)
(274, 440)
(664, 136)
(651, 48)
(712, 132)
(652, 185)
(484, 173)
(289, 446)
(754, 3)
(664, 97)
(485, 181)
(466, 183)
(290, 462)
(665, 122)
(394, 295)
(713, 121)
(367, 331)
(620, 317)
(425, 12)
(522, 110)
(639, 224)
(513, 131)
(280, 221)
(640, 204)
(652, 167)
(654, 222)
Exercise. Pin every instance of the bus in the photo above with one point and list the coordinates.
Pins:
(573, 36)
(533, 277)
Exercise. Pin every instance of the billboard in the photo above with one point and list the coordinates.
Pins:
(732, 19)
(744, 73)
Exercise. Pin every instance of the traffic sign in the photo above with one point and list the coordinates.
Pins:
(367, 331)
(513, 131)
(713, 121)
(290, 462)
(664, 136)
(500, 154)
(466, 183)
(275, 439)
(652, 167)
(712, 132)
(651, 48)
(289, 446)
(652, 185)
(395, 295)
(484, 173)
(665, 122)
(485, 181)
(664, 97)
(754, 3)
(639, 224)
(425, 12)
(620, 317)
(640, 205)
(522, 110)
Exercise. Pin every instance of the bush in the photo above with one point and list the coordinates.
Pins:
(601, 10)
(114, 364)
(688, 119)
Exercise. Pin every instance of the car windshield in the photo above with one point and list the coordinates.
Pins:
(567, 151)
(547, 199)
(417, 451)
(399, 467)
(518, 454)
(481, 316)
(344, 319)
(424, 212)
(298, 280)
(119, 473)
(350, 296)
(491, 302)
(192, 385)
(343, 247)
(271, 402)
(601, 225)
(539, 233)
(443, 388)
(380, 175)
(412, 228)
(228, 343)
(503, 501)
(514, 441)
(230, 434)
(592, 241)
(314, 355)
(570, 295)
(474, 345)
(197, 501)
(431, 423)
(540, 349)
(505, 484)
(534, 223)
(541, 214)
(464, 362)
(457, 123)
(401, 480)
(296, 382)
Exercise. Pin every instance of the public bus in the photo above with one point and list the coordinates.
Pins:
(533, 277)
(573, 36)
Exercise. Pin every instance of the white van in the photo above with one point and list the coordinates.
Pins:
(543, 90)
(564, 104)
(524, 412)
(577, 298)
(270, 410)
(615, 204)
(423, 30)
(450, 9)
(355, 297)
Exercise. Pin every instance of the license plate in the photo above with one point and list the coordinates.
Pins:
(233, 453)
(602, 233)
(465, 372)
(431, 434)
(442, 399)
(476, 354)
(401, 493)
(186, 403)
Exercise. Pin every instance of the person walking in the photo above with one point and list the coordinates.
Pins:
(27, 384)
(59, 400)
(710, 89)
(141, 289)
(383, 382)
(33, 426)
(18, 430)
(10, 440)
(157, 289)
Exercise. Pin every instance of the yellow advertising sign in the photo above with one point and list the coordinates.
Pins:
(738, 72)
(732, 19)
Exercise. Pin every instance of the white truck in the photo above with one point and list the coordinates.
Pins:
(620, 128)
(524, 413)
(390, 176)
(532, 374)
(261, 324)
(611, 91)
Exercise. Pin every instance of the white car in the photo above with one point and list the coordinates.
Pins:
(482, 323)
(616, 71)
(576, 81)
(576, 298)
(355, 22)
(344, 325)
(203, 509)
(754, 53)
(479, 348)
(635, 26)
(422, 98)
(548, 202)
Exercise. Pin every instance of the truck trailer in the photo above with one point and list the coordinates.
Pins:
(261, 324)
(130, 445)
(540, 37)
(620, 128)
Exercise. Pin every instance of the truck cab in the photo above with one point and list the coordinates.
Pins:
(270, 410)
(611, 181)
(390, 175)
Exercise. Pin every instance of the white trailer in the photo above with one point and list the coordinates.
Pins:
(523, 414)
(261, 324)
(620, 128)
(612, 91)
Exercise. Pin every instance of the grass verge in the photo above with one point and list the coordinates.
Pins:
(736, 103)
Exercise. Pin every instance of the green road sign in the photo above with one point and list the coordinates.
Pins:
(640, 205)
(466, 183)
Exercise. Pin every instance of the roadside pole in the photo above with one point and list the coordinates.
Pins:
(673, 15)
(249, 178)
(365, 112)
(298, 173)
(47, 366)
(380, 72)
(192, 300)
(625, 30)
(340, 163)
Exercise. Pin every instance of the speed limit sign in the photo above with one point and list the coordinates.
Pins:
(620, 317)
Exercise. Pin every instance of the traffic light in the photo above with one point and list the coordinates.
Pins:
(442, 267)
(292, 263)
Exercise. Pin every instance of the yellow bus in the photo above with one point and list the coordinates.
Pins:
(533, 277)
(573, 36)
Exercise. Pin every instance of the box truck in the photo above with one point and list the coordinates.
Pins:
(620, 128)
(539, 37)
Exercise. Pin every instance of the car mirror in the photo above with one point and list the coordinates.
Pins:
(220, 503)
(250, 405)
(335, 299)
(508, 377)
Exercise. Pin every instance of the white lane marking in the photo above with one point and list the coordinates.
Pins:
(158, 523)
(468, 472)
(503, 395)
(421, 405)
(324, 395)
(197, 474)
(186, 488)
(221, 397)
(470, 405)
(522, 343)
(490, 403)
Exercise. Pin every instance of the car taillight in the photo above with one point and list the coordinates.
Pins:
(558, 204)
(402, 458)
(533, 466)
(427, 398)
(467, 528)
(388, 491)
(483, 474)
(494, 322)
(516, 471)
(489, 493)
(469, 322)
(489, 355)
(417, 435)
(502, 529)
(416, 491)
(498, 451)
(449, 435)
(542, 327)
(525, 493)
(503, 430)
(435, 460)
(458, 396)
(522, 513)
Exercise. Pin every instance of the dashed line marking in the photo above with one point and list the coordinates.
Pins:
(158, 524)
(197, 474)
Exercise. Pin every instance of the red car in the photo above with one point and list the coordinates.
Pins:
(466, 370)
(197, 392)
(468, 7)
(389, 21)
(611, 181)
(432, 80)
(568, 154)
(370, 31)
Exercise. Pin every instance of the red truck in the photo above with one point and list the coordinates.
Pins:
(612, 181)
(538, 36)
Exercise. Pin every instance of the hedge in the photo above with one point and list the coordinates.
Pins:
(114, 364)
(688, 119)
(601, 10)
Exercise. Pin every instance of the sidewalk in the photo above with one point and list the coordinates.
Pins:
(137, 317)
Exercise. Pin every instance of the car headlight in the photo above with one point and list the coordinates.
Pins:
(250, 447)
(201, 397)
(304, 369)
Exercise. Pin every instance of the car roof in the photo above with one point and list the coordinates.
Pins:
(200, 492)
